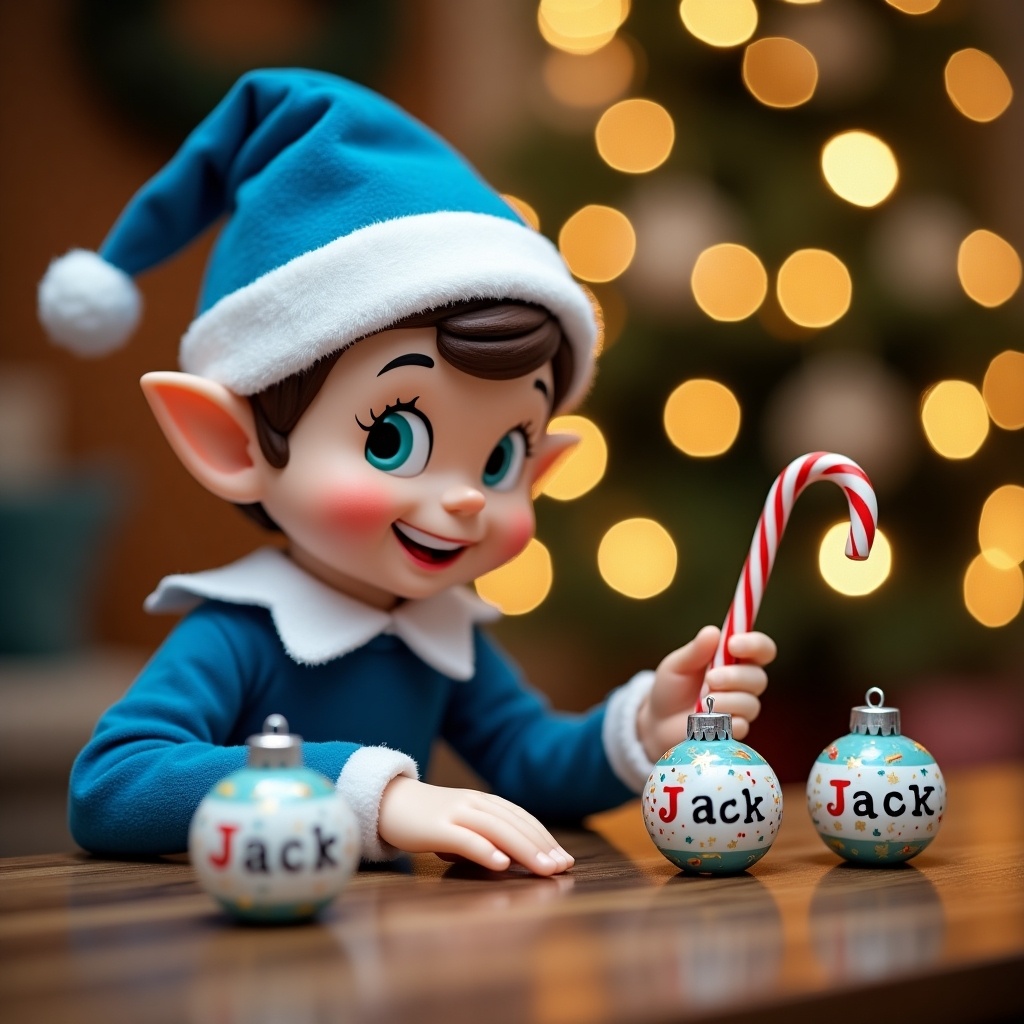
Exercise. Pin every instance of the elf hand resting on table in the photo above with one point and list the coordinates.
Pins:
(380, 346)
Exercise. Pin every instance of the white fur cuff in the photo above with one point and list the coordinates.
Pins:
(362, 783)
(622, 746)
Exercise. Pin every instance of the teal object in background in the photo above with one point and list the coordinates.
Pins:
(274, 841)
(712, 805)
(875, 796)
(53, 541)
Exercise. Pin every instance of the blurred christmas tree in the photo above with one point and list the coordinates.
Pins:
(801, 221)
(794, 209)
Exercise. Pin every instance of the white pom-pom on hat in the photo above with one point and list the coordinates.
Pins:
(88, 305)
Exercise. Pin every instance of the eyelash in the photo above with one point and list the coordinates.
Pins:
(526, 429)
(398, 406)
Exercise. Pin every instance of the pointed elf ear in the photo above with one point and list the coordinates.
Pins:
(552, 450)
(211, 430)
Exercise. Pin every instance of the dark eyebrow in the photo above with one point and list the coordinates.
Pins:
(409, 359)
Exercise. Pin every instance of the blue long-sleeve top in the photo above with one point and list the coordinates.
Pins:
(182, 726)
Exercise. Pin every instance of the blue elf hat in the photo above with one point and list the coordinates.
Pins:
(343, 215)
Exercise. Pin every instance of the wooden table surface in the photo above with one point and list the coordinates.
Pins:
(623, 937)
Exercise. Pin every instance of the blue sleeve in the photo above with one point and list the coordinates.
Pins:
(553, 764)
(179, 729)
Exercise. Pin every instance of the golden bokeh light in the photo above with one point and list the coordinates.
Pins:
(592, 80)
(637, 557)
(1003, 390)
(597, 243)
(859, 167)
(993, 595)
(989, 268)
(702, 418)
(520, 585)
(814, 288)
(524, 209)
(635, 136)
(914, 6)
(779, 72)
(1001, 526)
(955, 419)
(977, 85)
(582, 469)
(844, 575)
(729, 282)
(719, 22)
(580, 26)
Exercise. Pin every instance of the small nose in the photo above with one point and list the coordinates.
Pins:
(463, 501)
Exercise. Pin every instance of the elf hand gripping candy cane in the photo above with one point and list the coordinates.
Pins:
(731, 645)
(788, 486)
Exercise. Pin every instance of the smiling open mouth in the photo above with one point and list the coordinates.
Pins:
(425, 548)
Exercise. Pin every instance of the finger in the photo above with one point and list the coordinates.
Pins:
(507, 837)
(747, 678)
(466, 844)
(538, 834)
(694, 655)
(519, 818)
(756, 647)
(525, 823)
(529, 827)
(738, 704)
(740, 727)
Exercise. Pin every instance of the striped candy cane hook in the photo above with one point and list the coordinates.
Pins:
(788, 486)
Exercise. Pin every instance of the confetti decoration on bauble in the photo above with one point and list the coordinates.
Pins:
(712, 805)
(874, 795)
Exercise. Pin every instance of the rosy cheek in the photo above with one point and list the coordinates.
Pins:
(360, 508)
(516, 531)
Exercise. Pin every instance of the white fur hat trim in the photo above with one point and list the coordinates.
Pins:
(365, 281)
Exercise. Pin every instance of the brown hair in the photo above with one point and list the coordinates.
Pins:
(492, 340)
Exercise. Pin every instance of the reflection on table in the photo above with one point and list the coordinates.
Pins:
(624, 937)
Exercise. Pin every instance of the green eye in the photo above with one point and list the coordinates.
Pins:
(399, 442)
(505, 463)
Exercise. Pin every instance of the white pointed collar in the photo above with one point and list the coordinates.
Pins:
(317, 623)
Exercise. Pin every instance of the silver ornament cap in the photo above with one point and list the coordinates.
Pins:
(710, 724)
(874, 719)
(275, 747)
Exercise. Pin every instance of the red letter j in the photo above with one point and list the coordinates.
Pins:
(837, 808)
(221, 859)
(669, 813)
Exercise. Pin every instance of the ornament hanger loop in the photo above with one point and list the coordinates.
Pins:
(711, 704)
(879, 693)
(275, 724)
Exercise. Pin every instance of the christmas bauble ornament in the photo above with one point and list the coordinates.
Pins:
(875, 796)
(274, 841)
(712, 805)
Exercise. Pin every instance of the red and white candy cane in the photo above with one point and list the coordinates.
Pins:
(788, 486)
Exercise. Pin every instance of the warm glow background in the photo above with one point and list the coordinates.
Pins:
(801, 225)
